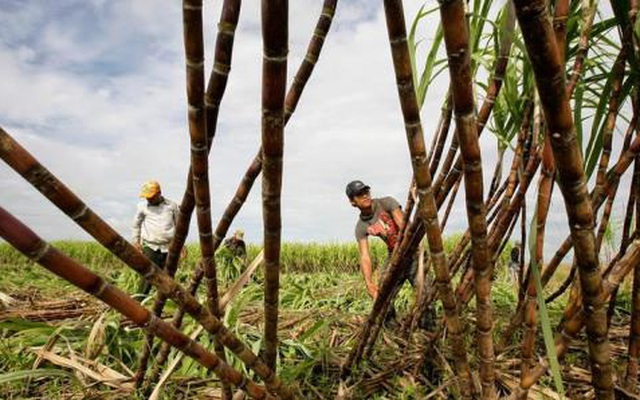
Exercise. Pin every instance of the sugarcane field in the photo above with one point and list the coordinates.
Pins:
(454, 213)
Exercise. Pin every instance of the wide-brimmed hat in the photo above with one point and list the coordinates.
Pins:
(150, 189)
(356, 188)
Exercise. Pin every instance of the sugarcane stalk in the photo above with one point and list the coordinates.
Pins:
(293, 96)
(54, 190)
(448, 174)
(545, 186)
(497, 172)
(631, 377)
(612, 114)
(588, 15)
(32, 246)
(440, 138)
(427, 211)
(275, 38)
(456, 37)
(549, 75)
(212, 100)
(457, 256)
(631, 205)
(449, 207)
(495, 199)
(447, 167)
(545, 190)
(194, 55)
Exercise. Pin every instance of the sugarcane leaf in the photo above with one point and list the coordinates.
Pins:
(620, 12)
(430, 64)
(545, 322)
(36, 374)
(594, 147)
(636, 29)
(412, 43)
(311, 331)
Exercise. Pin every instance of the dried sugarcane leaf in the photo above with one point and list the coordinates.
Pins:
(95, 341)
(105, 374)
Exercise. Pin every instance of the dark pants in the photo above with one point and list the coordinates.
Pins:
(408, 274)
(158, 258)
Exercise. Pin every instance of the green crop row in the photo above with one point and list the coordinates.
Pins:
(295, 257)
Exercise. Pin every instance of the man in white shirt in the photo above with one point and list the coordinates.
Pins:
(154, 226)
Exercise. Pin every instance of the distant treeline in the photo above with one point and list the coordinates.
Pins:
(295, 257)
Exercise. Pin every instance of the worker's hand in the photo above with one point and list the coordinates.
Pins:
(184, 253)
(372, 288)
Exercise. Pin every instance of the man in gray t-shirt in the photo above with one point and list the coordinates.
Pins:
(381, 217)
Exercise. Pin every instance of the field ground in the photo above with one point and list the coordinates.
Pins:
(59, 343)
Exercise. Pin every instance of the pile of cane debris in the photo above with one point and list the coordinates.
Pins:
(32, 306)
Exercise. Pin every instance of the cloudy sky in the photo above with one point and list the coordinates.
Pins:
(96, 91)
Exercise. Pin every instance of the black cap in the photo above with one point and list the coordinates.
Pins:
(355, 188)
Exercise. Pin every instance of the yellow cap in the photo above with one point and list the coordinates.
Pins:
(239, 233)
(150, 189)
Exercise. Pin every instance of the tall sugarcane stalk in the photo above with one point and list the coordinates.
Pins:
(275, 38)
(631, 377)
(54, 190)
(449, 174)
(440, 138)
(545, 186)
(293, 97)
(549, 75)
(427, 210)
(32, 246)
(545, 191)
(456, 37)
(588, 14)
(612, 114)
(212, 99)
(194, 57)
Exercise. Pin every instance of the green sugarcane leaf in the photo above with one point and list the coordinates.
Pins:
(594, 147)
(545, 322)
(427, 74)
(311, 331)
(413, 45)
(636, 29)
(37, 373)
